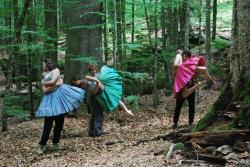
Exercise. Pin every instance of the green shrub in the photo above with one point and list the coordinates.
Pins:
(220, 44)
(134, 101)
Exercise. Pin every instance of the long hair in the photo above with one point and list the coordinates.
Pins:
(49, 64)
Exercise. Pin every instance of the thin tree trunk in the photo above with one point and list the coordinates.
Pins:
(208, 31)
(214, 19)
(105, 31)
(31, 27)
(133, 22)
(119, 32)
(124, 40)
(114, 34)
(187, 25)
(200, 20)
(16, 54)
(147, 20)
(155, 58)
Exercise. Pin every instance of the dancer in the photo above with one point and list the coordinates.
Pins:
(112, 94)
(58, 99)
(92, 89)
(185, 84)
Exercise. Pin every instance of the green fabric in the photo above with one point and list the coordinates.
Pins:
(112, 93)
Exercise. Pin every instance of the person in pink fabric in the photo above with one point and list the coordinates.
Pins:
(185, 84)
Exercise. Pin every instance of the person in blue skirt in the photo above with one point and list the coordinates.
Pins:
(57, 100)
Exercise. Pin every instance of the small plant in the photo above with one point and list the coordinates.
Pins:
(134, 101)
(220, 43)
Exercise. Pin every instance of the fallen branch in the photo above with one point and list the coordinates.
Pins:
(208, 158)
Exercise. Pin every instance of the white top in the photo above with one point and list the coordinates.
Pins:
(178, 60)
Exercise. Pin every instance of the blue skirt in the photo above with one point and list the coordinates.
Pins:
(63, 99)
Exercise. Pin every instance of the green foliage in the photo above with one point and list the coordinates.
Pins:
(61, 64)
(224, 126)
(134, 101)
(179, 146)
(206, 120)
(215, 70)
(220, 44)
(136, 83)
(13, 105)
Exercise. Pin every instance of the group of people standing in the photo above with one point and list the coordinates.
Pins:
(103, 92)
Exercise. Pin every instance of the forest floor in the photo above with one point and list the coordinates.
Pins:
(115, 148)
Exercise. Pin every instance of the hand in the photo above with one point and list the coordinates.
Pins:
(198, 85)
(59, 82)
(101, 86)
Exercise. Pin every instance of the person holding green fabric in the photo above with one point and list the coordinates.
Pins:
(111, 96)
(105, 90)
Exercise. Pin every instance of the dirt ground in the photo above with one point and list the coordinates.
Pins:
(18, 146)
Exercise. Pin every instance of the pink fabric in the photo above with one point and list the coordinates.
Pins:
(184, 73)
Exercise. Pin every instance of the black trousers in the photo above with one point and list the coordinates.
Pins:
(96, 121)
(178, 106)
(48, 122)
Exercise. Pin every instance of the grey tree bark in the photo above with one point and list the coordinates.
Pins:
(83, 37)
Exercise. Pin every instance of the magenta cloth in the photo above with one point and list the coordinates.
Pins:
(184, 73)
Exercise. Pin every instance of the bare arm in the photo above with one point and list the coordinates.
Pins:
(47, 89)
(186, 92)
(93, 79)
(56, 75)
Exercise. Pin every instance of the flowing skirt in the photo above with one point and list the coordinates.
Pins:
(112, 93)
(63, 99)
(184, 73)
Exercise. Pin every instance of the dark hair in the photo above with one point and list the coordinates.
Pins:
(49, 64)
(187, 53)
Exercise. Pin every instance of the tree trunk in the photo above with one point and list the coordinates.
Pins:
(147, 20)
(83, 37)
(124, 39)
(133, 22)
(208, 31)
(214, 19)
(114, 33)
(155, 99)
(105, 30)
(187, 26)
(119, 32)
(200, 20)
(31, 27)
(237, 88)
(51, 30)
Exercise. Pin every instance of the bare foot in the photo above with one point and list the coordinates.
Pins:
(129, 112)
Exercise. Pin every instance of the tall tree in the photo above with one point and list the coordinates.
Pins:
(214, 19)
(187, 25)
(51, 29)
(124, 38)
(155, 95)
(119, 32)
(114, 33)
(237, 89)
(105, 29)
(133, 22)
(208, 29)
(31, 28)
(83, 37)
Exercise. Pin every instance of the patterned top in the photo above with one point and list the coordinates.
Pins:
(47, 76)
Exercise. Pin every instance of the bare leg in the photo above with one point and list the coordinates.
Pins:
(123, 106)
(204, 72)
